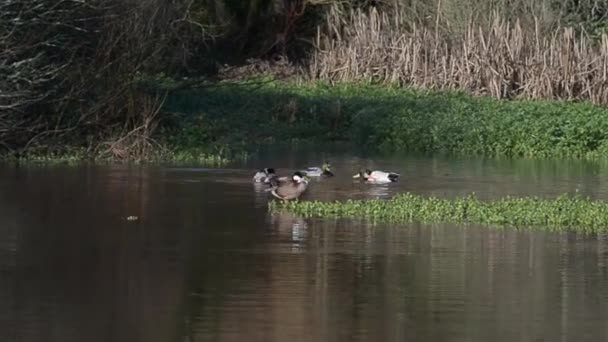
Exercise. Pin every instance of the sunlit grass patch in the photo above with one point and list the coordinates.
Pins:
(566, 212)
(192, 156)
(79, 156)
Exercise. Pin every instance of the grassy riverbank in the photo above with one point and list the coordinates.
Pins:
(245, 116)
(78, 155)
(562, 213)
(225, 121)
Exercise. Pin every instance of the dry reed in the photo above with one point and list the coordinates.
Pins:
(503, 59)
(134, 141)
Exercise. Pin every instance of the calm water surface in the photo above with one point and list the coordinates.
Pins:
(207, 262)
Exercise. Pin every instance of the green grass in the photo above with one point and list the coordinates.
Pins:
(248, 115)
(77, 156)
(220, 122)
(68, 156)
(191, 156)
(563, 213)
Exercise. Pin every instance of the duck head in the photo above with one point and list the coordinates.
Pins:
(298, 177)
(364, 174)
(326, 169)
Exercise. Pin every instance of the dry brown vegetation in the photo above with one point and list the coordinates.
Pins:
(67, 69)
(501, 57)
(134, 140)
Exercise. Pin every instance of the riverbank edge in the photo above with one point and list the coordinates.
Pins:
(78, 156)
(564, 213)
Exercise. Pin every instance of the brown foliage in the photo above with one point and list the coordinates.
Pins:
(134, 141)
(67, 67)
(504, 59)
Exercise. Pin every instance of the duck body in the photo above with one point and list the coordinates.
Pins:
(277, 181)
(264, 175)
(377, 176)
(290, 189)
(315, 171)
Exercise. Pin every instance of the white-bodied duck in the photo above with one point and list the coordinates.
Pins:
(377, 176)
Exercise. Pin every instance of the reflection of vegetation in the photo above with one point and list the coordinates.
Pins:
(564, 212)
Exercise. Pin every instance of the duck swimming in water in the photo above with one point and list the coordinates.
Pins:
(291, 189)
(377, 176)
(315, 171)
(264, 175)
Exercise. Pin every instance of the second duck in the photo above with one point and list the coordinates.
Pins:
(377, 176)
(315, 171)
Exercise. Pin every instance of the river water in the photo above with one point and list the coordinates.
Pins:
(205, 261)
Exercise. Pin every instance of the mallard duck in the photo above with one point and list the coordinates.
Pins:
(291, 189)
(315, 171)
(264, 175)
(377, 176)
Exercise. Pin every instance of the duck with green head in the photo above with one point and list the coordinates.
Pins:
(292, 189)
(315, 171)
(377, 176)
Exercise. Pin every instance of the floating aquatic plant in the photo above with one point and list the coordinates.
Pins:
(566, 212)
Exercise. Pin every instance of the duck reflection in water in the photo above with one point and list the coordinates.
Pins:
(289, 227)
(261, 191)
(377, 191)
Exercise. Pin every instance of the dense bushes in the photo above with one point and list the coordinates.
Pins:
(460, 123)
(67, 70)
